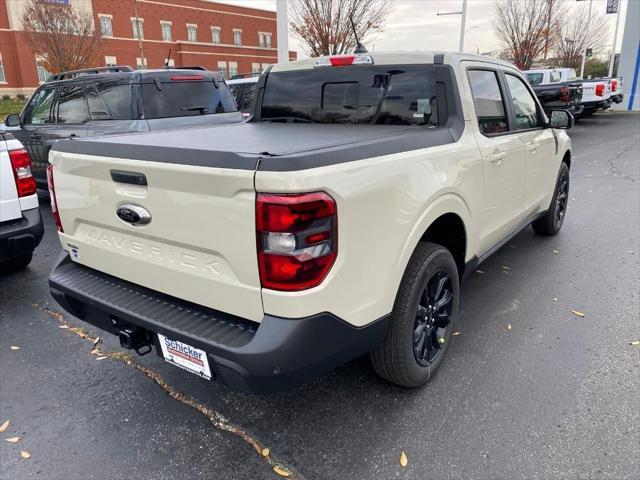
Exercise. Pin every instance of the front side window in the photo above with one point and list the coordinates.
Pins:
(192, 33)
(71, 106)
(488, 102)
(215, 35)
(138, 28)
(166, 31)
(105, 26)
(237, 37)
(39, 109)
(524, 105)
(380, 95)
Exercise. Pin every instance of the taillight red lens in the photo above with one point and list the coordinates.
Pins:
(21, 165)
(600, 90)
(54, 201)
(297, 239)
(342, 60)
(614, 85)
(564, 94)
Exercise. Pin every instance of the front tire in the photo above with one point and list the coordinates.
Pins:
(551, 222)
(422, 320)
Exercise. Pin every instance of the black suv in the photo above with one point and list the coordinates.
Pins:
(118, 99)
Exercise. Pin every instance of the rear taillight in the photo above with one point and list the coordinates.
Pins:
(600, 90)
(614, 85)
(564, 94)
(21, 165)
(297, 239)
(52, 196)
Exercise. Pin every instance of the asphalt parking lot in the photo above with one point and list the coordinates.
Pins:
(528, 390)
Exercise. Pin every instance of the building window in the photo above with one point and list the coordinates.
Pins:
(43, 73)
(222, 68)
(233, 69)
(264, 39)
(265, 65)
(105, 25)
(255, 68)
(138, 28)
(215, 34)
(110, 61)
(192, 32)
(237, 37)
(166, 31)
(170, 63)
(2, 77)
(140, 64)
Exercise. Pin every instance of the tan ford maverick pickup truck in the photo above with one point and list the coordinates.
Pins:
(338, 220)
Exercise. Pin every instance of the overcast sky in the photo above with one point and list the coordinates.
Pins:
(413, 24)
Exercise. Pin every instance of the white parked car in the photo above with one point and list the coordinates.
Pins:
(337, 221)
(21, 226)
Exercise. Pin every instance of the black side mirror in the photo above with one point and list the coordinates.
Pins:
(561, 119)
(12, 120)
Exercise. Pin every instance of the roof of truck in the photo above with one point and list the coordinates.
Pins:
(404, 58)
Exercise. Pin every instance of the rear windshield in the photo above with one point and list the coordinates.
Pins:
(535, 78)
(185, 98)
(383, 95)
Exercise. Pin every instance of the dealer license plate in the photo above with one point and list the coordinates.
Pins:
(185, 356)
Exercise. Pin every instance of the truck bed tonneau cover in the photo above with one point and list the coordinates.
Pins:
(240, 146)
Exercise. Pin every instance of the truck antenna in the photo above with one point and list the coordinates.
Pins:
(360, 48)
(166, 64)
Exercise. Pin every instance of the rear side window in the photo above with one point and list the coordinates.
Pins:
(535, 78)
(111, 101)
(488, 102)
(555, 76)
(72, 108)
(186, 98)
(382, 95)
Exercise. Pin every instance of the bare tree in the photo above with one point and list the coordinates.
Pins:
(527, 28)
(576, 34)
(324, 25)
(65, 37)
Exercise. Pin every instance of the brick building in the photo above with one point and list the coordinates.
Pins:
(217, 36)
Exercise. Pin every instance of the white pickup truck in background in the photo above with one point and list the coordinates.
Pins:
(21, 226)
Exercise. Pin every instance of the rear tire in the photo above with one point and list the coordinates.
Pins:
(551, 222)
(422, 320)
(16, 263)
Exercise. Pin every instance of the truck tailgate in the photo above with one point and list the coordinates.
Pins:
(200, 244)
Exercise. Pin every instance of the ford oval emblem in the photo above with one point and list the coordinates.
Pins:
(133, 214)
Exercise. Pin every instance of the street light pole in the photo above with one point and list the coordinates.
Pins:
(140, 47)
(615, 38)
(282, 23)
(462, 23)
(584, 51)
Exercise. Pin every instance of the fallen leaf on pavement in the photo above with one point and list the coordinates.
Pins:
(480, 271)
(631, 252)
(4, 426)
(265, 452)
(12, 439)
(281, 471)
(455, 334)
(577, 313)
(556, 252)
(508, 326)
(95, 342)
(555, 299)
(504, 267)
(403, 460)
(101, 358)
(635, 342)
(25, 454)
(63, 326)
(13, 347)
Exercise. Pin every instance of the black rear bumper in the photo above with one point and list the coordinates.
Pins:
(21, 236)
(270, 356)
